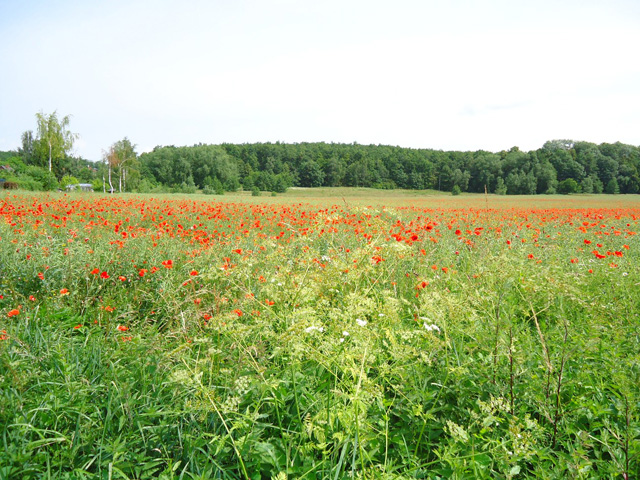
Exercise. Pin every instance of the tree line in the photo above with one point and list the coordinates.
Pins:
(44, 162)
(559, 166)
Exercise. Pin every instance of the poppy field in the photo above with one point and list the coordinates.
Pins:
(174, 337)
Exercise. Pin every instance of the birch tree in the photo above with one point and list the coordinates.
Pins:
(54, 139)
(120, 156)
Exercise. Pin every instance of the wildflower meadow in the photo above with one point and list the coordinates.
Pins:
(318, 338)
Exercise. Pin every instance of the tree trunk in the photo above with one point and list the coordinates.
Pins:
(110, 184)
(50, 163)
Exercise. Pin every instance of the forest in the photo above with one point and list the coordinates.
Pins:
(44, 162)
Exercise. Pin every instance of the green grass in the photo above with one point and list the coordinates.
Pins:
(298, 347)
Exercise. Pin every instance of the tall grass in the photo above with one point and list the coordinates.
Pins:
(287, 340)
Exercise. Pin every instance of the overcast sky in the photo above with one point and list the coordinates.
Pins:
(451, 75)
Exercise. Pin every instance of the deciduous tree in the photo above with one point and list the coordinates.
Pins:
(54, 139)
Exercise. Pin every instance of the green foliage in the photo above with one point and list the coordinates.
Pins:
(255, 192)
(501, 188)
(68, 180)
(612, 186)
(456, 190)
(277, 166)
(568, 186)
(97, 185)
(386, 185)
(53, 143)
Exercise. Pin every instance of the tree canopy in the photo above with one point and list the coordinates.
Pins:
(559, 166)
(54, 140)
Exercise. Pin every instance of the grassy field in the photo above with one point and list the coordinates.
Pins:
(319, 334)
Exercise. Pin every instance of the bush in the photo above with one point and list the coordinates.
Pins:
(255, 192)
(568, 186)
(45, 177)
(385, 185)
(612, 186)
(456, 190)
(217, 186)
(185, 188)
(68, 180)
(27, 183)
(98, 186)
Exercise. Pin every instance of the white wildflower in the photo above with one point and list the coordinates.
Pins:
(314, 329)
(360, 322)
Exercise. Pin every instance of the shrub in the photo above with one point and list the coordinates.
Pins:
(612, 186)
(568, 186)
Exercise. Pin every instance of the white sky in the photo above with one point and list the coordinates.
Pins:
(452, 75)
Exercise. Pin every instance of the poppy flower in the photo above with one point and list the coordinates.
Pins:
(64, 291)
(167, 264)
(122, 328)
(104, 275)
(13, 313)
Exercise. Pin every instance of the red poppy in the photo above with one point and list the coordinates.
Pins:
(13, 313)
(167, 264)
